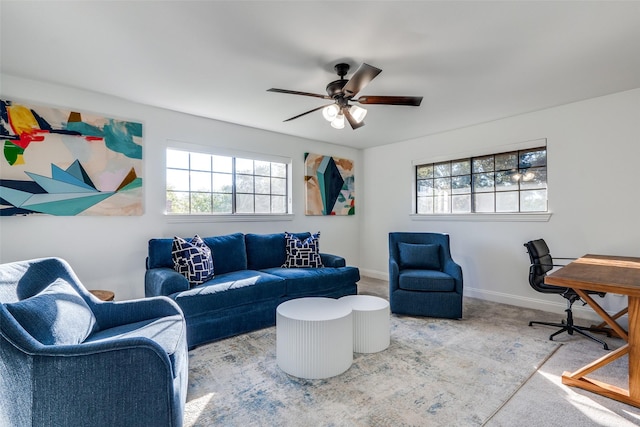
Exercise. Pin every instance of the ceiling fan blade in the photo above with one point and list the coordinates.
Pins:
(363, 75)
(293, 92)
(354, 124)
(390, 100)
(307, 112)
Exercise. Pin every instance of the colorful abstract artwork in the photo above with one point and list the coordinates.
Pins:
(61, 162)
(329, 185)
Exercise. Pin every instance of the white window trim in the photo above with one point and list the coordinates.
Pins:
(479, 216)
(243, 217)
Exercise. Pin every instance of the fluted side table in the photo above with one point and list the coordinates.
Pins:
(371, 328)
(314, 337)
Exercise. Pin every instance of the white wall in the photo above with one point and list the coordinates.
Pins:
(109, 252)
(593, 156)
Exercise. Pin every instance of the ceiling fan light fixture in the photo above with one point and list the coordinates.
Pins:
(338, 122)
(358, 113)
(330, 112)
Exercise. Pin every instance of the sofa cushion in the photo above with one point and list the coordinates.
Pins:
(418, 256)
(166, 331)
(192, 259)
(244, 287)
(315, 281)
(302, 254)
(57, 315)
(267, 250)
(426, 281)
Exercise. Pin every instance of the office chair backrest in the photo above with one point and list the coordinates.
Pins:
(541, 263)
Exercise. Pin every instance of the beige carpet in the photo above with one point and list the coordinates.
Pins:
(435, 372)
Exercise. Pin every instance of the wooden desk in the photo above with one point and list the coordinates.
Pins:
(618, 275)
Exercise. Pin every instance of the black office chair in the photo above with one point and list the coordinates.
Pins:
(541, 264)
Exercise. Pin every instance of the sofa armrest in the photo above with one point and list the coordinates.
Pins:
(164, 281)
(111, 314)
(334, 261)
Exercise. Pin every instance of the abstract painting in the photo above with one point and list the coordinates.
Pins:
(329, 185)
(62, 162)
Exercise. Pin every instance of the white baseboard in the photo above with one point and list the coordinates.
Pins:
(579, 311)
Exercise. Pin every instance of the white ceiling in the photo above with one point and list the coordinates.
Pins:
(472, 61)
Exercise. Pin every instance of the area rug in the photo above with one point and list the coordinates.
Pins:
(435, 372)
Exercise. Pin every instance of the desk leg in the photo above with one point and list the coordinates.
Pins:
(634, 348)
(610, 321)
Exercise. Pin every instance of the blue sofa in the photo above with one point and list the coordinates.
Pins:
(248, 285)
(68, 359)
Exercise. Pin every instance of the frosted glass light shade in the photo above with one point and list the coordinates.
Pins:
(338, 122)
(358, 113)
(330, 112)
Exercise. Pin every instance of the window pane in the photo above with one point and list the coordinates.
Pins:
(263, 204)
(177, 180)
(507, 201)
(244, 203)
(533, 201)
(442, 169)
(263, 185)
(222, 164)
(177, 202)
(262, 168)
(279, 170)
(425, 205)
(244, 183)
(461, 203)
(200, 203)
(506, 161)
(278, 204)
(201, 181)
(531, 158)
(177, 159)
(533, 178)
(222, 203)
(425, 187)
(222, 183)
(483, 182)
(483, 202)
(244, 166)
(279, 186)
(461, 184)
(424, 171)
(506, 181)
(442, 203)
(442, 185)
(461, 167)
(483, 164)
(200, 162)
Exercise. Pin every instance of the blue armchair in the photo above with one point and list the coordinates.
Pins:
(68, 359)
(423, 279)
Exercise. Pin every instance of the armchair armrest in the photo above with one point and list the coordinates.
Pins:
(454, 270)
(111, 314)
(394, 272)
(164, 281)
(329, 260)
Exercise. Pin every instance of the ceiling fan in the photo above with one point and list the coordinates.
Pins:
(343, 91)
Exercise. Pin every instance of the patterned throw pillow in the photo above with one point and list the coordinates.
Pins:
(192, 260)
(302, 254)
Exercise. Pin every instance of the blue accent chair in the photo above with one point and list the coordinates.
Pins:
(69, 359)
(423, 278)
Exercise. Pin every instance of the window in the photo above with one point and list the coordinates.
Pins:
(201, 184)
(514, 181)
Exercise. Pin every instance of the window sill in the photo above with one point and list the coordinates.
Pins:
(485, 217)
(229, 218)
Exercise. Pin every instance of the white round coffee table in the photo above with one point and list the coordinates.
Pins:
(371, 328)
(314, 337)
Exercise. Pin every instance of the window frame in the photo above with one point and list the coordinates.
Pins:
(233, 215)
(496, 214)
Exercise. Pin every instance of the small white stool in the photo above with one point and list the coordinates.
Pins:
(314, 337)
(371, 328)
